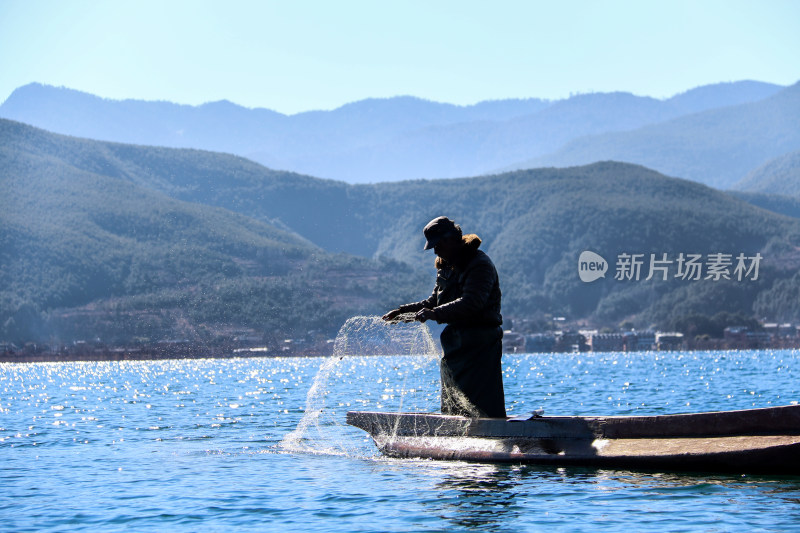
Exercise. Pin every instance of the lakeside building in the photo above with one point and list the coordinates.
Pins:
(607, 342)
(246, 344)
(570, 341)
(639, 341)
(669, 341)
(540, 343)
(749, 339)
(513, 342)
(781, 330)
(776, 336)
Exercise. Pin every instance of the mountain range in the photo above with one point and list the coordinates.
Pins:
(718, 147)
(715, 134)
(120, 241)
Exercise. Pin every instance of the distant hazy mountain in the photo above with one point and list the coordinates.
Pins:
(372, 140)
(777, 176)
(723, 95)
(716, 147)
(777, 203)
(215, 239)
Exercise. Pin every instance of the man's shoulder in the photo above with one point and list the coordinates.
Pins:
(480, 260)
(480, 255)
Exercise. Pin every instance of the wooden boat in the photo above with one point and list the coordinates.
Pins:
(748, 441)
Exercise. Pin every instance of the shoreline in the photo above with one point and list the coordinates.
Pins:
(164, 354)
(141, 355)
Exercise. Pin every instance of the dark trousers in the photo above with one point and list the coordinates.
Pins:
(471, 372)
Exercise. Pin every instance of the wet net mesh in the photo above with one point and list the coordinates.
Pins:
(375, 366)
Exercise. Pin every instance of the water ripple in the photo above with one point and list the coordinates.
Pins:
(201, 444)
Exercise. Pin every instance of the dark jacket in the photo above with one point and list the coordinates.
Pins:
(467, 298)
(467, 293)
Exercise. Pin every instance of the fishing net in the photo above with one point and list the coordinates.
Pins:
(376, 366)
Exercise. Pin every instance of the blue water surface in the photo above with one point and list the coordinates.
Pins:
(214, 445)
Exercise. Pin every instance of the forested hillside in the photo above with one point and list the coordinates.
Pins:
(152, 240)
(92, 253)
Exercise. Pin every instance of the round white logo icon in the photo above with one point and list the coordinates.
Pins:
(591, 266)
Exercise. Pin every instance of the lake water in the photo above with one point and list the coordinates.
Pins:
(213, 445)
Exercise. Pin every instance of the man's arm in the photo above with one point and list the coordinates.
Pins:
(428, 303)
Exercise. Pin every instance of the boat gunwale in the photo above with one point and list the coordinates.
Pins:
(779, 420)
(742, 441)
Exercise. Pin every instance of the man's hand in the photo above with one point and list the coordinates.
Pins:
(391, 315)
(425, 315)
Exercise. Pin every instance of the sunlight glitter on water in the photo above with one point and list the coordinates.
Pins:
(197, 443)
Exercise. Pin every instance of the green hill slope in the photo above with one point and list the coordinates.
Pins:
(536, 223)
(92, 253)
(238, 241)
(323, 215)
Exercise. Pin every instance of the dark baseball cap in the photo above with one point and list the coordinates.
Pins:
(438, 228)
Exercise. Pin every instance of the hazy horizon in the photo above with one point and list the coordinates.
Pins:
(369, 98)
(303, 56)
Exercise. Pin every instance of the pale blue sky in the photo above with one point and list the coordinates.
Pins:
(297, 55)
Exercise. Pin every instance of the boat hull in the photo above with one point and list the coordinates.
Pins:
(747, 441)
